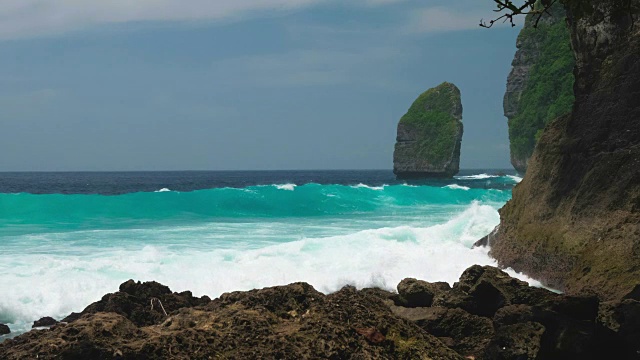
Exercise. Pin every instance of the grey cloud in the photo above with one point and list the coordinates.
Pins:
(442, 19)
(33, 18)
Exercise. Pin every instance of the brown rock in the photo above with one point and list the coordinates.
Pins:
(45, 321)
(516, 342)
(134, 302)
(418, 293)
(283, 322)
(574, 220)
(372, 334)
(467, 334)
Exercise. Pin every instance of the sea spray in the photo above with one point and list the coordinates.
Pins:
(62, 252)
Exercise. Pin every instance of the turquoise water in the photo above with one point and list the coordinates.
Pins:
(61, 252)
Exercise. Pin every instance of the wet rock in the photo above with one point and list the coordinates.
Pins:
(45, 321)
(4, 329)
(466, 333)
(516, 342)
(622, 319)
(283, 322)
(484, 241)
(513, 314)
(71, 317)
(134, 301)
(418, 293)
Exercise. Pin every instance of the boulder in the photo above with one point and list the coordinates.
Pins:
(142, 303)
(418, 293)
(4, 329)
(465, 333)
(45, 321)
(520, 341)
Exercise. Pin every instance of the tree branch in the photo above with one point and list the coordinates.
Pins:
(512, 10)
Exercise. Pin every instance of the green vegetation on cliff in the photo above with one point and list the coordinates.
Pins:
(548, 93)
(433, 114)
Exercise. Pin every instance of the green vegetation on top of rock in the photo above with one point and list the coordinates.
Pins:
(548, 93)
(435, 114)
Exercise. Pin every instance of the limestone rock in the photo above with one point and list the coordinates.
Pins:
(429, 135)
(574, 220)
(539, 86)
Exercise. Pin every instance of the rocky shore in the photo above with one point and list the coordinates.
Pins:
(486, 315)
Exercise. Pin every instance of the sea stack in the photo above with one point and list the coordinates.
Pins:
(429, 135)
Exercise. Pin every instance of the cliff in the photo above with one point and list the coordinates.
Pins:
(486, 315)
(540, 84)
(574, 220)
(429, 135)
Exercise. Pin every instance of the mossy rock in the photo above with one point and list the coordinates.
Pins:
(429, 135)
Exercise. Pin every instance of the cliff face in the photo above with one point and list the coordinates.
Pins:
(540, 85)
(429, 135)
(574, 220)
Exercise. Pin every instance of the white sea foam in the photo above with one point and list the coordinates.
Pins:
(361, 185)
(44, 284)
(476, 177)
(516, 179)
(288, 187)
(163, 190)
(457, 187)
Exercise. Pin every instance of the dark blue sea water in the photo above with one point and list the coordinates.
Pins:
(68, 238)
(114, 183)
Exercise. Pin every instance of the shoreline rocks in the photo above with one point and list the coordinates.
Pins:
(429, 135)
(485, 315)
(4, 329)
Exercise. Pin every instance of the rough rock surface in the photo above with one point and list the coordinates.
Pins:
(4, 329)
(297, 322)
(489, 315)
(430, 134)
(574, 220)
(45, 321)
(134, 301)
(284, 322)
(531, 44)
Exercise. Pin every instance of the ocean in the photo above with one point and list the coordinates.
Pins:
(66, 239)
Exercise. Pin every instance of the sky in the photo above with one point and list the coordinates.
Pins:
(93, 85)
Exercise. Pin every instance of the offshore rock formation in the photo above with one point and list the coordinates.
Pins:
(486, 315)
(429, 135)
(574, 220)
(540, 84)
